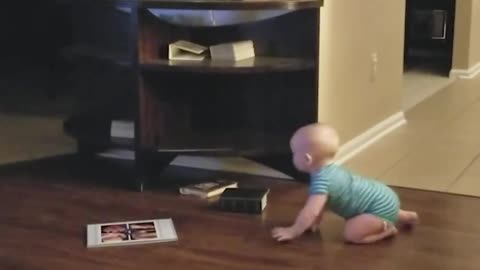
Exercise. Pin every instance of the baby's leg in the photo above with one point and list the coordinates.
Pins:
(407, 218)
(367, 228)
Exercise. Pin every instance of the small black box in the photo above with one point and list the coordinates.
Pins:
(244, 200)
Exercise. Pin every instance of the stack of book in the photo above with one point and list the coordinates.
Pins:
(232, 198)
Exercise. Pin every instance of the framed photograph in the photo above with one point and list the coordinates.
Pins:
(130, 233)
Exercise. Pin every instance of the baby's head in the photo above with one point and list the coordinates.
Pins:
(314, 146)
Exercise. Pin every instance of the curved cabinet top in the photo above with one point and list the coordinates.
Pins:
(230, 4)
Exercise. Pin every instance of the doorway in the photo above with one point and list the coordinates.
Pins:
(428, 51)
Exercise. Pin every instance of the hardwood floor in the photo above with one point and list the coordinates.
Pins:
(45, 206)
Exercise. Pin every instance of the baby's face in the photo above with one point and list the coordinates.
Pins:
(299, 161)
(299, 154)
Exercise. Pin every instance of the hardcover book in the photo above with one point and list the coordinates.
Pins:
(244, 200)
(186, 50)
(233, 51)
(208, 189)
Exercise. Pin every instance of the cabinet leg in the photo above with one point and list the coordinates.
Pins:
(148, 168)
(139, 184)
(282, 163)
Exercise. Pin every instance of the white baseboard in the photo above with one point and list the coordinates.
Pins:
(466, 73)
(242, 165)
(359, 143)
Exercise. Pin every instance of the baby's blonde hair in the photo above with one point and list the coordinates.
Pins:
(321, 136)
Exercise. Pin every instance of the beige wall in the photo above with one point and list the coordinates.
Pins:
(350, 97)
(474, 57)
(461, 43)
(466, 48)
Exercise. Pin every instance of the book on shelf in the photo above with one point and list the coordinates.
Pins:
(244, 200)
(208, 189)
(131, 233)
(186, 50)
(233, 51)
(122, 129)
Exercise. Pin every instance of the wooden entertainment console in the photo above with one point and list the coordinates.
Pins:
(248, 108)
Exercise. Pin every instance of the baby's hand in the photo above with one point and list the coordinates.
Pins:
(315, 228)
(283, 233)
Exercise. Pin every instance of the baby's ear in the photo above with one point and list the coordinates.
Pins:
(308, 158)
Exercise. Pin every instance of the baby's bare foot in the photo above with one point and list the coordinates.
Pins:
(390, 228)
(408, 218)
(394, 230)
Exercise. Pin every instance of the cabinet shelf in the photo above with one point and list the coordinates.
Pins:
(224, 143)
(228, 143)
(251, 65)
(231, 4)
(89, 52)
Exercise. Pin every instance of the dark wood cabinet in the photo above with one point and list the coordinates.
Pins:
(248, 108)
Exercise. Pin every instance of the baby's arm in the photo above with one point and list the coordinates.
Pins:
(305, 219)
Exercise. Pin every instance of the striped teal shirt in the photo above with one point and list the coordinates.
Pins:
(350, 194)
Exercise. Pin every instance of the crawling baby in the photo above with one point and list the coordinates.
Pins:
(371, 209)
